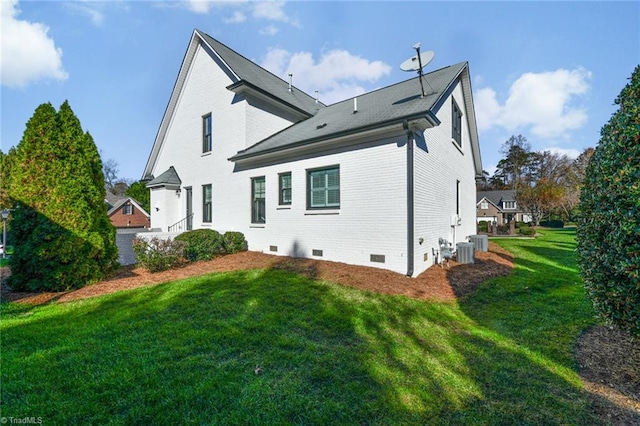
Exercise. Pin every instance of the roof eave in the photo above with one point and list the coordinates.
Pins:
(245, 87)
(421, 121)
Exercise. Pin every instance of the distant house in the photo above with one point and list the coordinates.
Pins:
(126, 212)
(374, 180)
(499, 207)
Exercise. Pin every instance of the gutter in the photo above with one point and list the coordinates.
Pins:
(410, 199)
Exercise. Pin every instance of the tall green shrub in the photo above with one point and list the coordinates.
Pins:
(60, 230)
(609, 225)
(201, 244)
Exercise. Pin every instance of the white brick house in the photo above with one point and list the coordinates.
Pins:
(373, 181)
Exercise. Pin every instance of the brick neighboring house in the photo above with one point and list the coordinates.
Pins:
(499, 206)
(126, 212)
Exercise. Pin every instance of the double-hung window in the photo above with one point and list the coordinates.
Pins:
(323, 188)
(127, 209)
(284, 188)
(207, 204)
(258, 200)
(456, 123)
(206, 133)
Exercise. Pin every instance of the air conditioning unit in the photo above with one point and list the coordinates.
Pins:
(480, 242)
(465, 253)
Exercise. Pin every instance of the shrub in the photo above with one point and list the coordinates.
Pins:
(483, 226)
(552, 223)
(234, 242)
(159, 254)
(502, 229)
(526, 230)
(607, 233)
(201, 244)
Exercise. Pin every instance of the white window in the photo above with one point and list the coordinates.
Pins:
(511, 205)
(484, 205)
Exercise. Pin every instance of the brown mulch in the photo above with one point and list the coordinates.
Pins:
(435, 283)
(609, 360)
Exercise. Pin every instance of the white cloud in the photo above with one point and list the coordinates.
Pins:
(91, 9)
(236, 18)
(337, 74)
(569, 152)
(27, 54)
(199, 6)
(269, 30)
(270, 10)
(541, 102)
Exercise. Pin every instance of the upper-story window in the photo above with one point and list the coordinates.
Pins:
(456, 123)
(206, 133)
(127, 208)
(323, 188)
(484, 205)
(509, 204)
(284, 188)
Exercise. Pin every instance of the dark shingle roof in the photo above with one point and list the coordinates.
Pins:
(496, 197)
(261, 79)
(376, 109)
(168, 178)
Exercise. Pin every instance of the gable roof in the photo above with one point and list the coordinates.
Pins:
(496, 197)
(257, 78)
(246, 76)
(169, 178)
(121, 202)
(378, 109)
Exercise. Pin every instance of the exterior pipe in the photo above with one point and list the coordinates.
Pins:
(410, 200)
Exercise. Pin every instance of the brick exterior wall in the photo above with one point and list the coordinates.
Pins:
(136, 220)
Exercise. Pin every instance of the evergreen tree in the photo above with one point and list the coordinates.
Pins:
(62, 236)
(609, 227)
(139, 191)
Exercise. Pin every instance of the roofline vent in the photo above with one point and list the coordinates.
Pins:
(316, 96)
(290, 82)
(355, 105)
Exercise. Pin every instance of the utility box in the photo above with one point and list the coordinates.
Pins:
(480, 242)
(465, 253)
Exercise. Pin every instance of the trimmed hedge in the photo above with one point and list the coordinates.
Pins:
(608, 230)
(201, 244)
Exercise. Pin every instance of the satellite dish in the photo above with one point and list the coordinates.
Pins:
(417, 62)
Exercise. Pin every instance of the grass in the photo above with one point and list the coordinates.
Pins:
(271, 347)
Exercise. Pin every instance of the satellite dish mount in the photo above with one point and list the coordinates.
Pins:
(417, 63)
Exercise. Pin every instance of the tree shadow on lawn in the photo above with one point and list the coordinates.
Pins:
(547, 303)
(270, 346)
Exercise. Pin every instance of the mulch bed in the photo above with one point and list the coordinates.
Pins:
(609, 359)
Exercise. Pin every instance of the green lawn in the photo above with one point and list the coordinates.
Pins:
(188, 351)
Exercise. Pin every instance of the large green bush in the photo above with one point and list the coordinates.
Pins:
(609, 224)
(201, 244)
(60, 229)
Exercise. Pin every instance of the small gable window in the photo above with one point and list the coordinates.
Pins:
(206, 134)
(323, 188)
(284, 188)
(456, 123)
(127, 209)
(258, 200)
(484, 205)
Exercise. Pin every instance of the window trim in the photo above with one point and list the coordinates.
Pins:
(207, 208)
(254, 211)
(282, 189)
(326, 206)
(127, 209)
(207, 133)
(456, 123)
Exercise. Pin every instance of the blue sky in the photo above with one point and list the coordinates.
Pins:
(547, 70)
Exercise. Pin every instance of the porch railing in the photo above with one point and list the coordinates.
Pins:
(185, 224)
